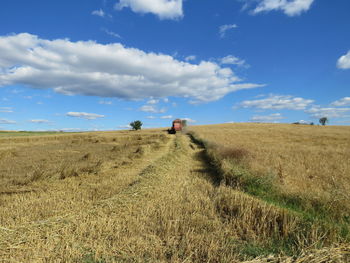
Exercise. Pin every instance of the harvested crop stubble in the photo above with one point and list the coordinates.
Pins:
(250, 158)
(308, 162)
(64, 172)
(137, 197)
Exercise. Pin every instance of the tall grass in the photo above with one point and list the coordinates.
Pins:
(318, 221)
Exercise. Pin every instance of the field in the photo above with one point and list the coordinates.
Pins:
(222, 193)
(24, 133)
(308, 162)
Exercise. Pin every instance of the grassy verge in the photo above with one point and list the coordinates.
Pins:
(316, 223)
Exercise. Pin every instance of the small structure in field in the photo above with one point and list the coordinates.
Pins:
(178, 125)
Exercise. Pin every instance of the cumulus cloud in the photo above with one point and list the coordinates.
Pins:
(189, 120)
(71, 129)
(303, 122)
(267, 118)
(84, 115)
(111, 70)
(127, 126)
(105, 102)
(166, 117)
(111, 33)
(233, 61)
(164, 9)
(289, 7)
(224, 28)
(39, 121)
(152, 101)
(151, 108)
(329, 112)
(5, 121)
(342, 102)
(277, 102)
(344, 61)
(190, 58)
(6, 109)
(98, 13)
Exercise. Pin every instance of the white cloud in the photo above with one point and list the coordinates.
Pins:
(267, 118)
(6, 109)
(150, 117)
(190, 58)
(111, 33)
(110, 70)
(151, 108)
(5, 121)
(166, 117)
(344, 61)
(98, 13)
(277, 102)
(233, 61)
(127, 126)
(105, 102)
(164, 9)
(189, 120)
(319, 112)
(342, 102)
(152, 101)
(39, 121)
(70, 129)
(16, 91)
(289, 7)
(84, 115)
(224, 28)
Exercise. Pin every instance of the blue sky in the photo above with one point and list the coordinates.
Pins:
(100, 64)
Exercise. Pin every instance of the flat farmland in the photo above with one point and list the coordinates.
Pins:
(221, 193)
(304, 160)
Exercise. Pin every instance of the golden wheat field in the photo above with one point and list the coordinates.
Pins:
(147, 196)
(306, 161)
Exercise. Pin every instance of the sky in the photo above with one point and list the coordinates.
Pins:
(101, 64)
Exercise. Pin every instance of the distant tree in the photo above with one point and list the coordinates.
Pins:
(323, 120)
(136, 125)
(311, 123)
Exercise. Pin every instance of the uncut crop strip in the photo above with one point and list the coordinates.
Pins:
(321, 224)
